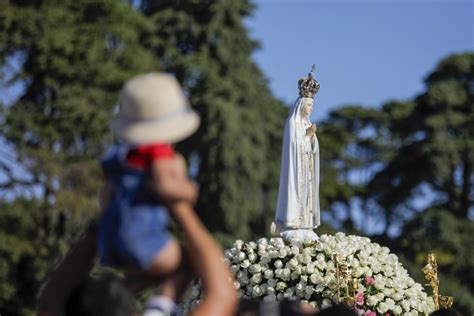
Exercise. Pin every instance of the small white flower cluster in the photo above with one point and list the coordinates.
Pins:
(272, 270)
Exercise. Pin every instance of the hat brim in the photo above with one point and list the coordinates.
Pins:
(149, 132)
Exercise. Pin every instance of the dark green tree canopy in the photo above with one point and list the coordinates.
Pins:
(67, 61)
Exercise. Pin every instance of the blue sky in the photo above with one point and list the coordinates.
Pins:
(366, 51)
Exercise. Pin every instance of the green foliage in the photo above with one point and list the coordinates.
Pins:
(437, 147)
(31, 238)
(388, 159)
(237, 148)
(71, 58)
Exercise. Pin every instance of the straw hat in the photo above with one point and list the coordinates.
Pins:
(154, 109)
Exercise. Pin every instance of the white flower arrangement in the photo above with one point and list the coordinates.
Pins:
(272, 270)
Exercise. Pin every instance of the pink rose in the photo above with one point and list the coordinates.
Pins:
(370, 313)
(360, 298)
(369, 280)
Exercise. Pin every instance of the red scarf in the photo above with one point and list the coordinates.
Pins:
(143, 156)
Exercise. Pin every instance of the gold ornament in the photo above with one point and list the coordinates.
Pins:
(346, 280)
(431, 275)
(308, 86)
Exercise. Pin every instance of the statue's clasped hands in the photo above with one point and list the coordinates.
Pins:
(311, 131)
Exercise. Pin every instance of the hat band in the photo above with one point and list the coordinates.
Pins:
(160, 119)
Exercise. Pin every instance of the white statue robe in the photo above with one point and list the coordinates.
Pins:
(298, 194)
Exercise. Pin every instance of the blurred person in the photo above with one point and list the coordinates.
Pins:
(337, 310)
(275, 308)
(145, 180)
(446, 312)
(106, 296)
(133, 230)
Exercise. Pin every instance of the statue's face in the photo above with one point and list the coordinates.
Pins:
(308, 108)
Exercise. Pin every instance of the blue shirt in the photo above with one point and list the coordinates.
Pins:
(133, 227)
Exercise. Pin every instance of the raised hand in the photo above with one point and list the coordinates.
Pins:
(311, 131)
(170, 183)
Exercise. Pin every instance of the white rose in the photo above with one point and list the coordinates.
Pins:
(292, 263)
(289, 293)
(376, 267)
(298, 269)
(257, 278)
(278, 264)
(390, 303)
(234, 268)
(283, 253)
(319, 288)
(307, 251)
(270, 290)
(406, 305)
(314, 278)
(326, 303)
(299, 287)
(255, 268)
(244, 279)
(397, 296)
(299, 258)
(397, 310)
(252, 257)
(382, 308)
(280, 285)
(372, 300)
(256, 291)
(277, 243)
(238, 244)
(265, 259)
(262, 242)
(272, 282)
(252, 245)
(295, 250)
(240, 257)
(306, 259)
(268, 274)
(387, 292)
(321, 265)
(278, 273)
(310, 268)
(272, 254)
(329, 266)
(355, 263)
(286, 273)
(245, 264)
(379, 284)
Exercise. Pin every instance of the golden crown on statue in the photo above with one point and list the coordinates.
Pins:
(308, 86)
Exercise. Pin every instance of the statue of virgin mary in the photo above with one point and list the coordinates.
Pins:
(297, 212)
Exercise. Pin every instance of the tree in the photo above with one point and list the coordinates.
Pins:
(70, 58)
(437, 147)
(409, 165)
(237, 149)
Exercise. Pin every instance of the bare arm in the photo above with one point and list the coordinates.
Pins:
(73, 268)
(168, 181)
(178, 192)
(207, 260)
